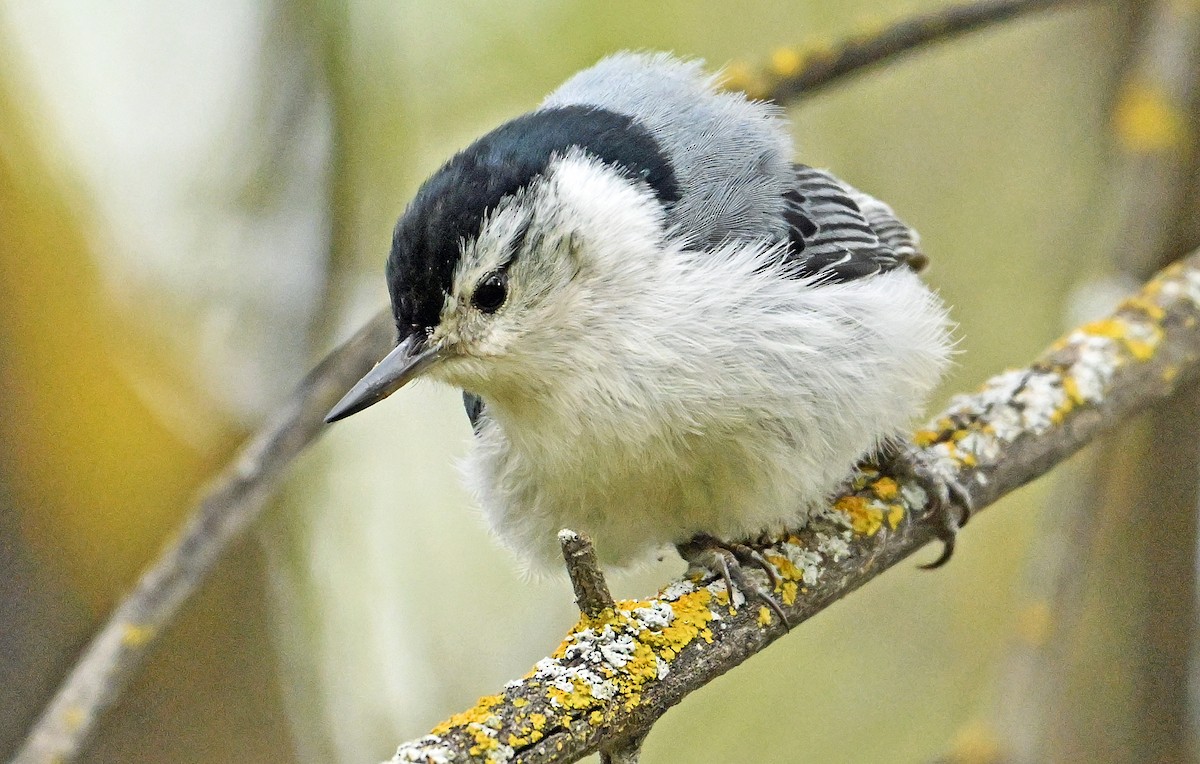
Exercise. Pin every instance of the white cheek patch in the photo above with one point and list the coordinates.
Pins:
(595, 202)
(582, 217)
(500, 232)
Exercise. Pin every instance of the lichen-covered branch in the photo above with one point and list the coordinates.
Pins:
(591, 590)
(798, 72)
(618, 672)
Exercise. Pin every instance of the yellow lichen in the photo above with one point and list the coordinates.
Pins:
(865, 519)
(692, 614)
(764, 616)
(478, 714)
(73, 718)
(895, 515)
(483, 741)
(885, 488)
(1140, 344)
(786, 62)
(1142, 347)
(787, 570)
(925, 438)
(789, 590)
(1071, 388)
(134, 635)
(1153, 310)
(1146, 120)
(578, 698)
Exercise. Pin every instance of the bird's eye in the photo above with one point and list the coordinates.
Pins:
(491, 292)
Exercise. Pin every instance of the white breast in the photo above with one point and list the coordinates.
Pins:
(740, 404)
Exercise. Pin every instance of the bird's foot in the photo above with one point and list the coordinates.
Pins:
(705, 554)
(949, 500)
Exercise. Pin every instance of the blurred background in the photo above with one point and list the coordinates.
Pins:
(196, 200)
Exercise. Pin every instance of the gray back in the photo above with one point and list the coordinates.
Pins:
(731, 156)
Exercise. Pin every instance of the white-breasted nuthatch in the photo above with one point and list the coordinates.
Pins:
(666, 332)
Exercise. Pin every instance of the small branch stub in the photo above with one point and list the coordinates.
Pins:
(591, 590)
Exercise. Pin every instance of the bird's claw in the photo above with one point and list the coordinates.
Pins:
(707, 554)
(949, 500)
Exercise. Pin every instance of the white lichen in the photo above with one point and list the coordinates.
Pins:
(945, 461)
(656, 617)
(830, 515)
(1143, 331)
(1191, 284)
(1095, 367)
(496, 752)
(914, 495)
(718, 587)
(1039, 401)
(604, 690)
(807, 561)
(594, 655)
(677, 590)
(663, 668)
(995, 402)
(426, 750)
(980, 446)
(618, 652)
(834, 547)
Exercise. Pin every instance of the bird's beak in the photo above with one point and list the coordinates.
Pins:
(397, 369)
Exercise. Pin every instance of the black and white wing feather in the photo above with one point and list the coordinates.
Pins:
(840, 233)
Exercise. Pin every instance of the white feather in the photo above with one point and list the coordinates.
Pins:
(642, 391)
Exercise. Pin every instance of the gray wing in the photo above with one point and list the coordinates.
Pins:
(474, 406)
(838, 232)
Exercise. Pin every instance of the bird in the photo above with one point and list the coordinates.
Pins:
(667, 331)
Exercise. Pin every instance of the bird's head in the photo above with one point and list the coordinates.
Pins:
(512, 261)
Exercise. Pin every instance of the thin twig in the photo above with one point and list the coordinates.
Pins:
(237, 495)
(801, 72)
(595, 602)
(611, 680)
(591, 590)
